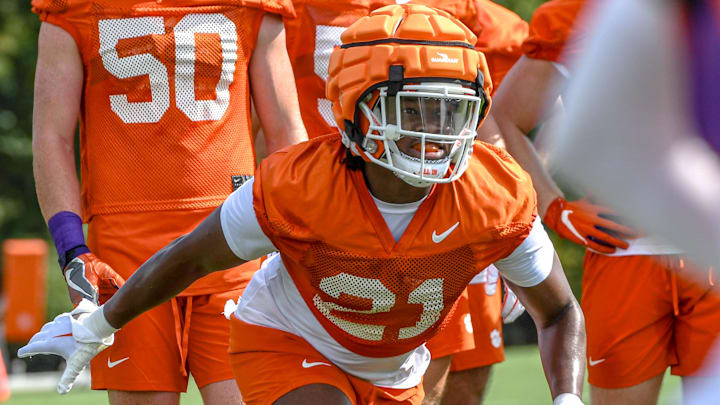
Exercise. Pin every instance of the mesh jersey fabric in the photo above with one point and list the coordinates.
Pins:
(375, 296)
(165, 117)
(312, 35)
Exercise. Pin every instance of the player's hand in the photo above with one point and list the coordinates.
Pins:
(511, 306)
(85, 273)
(586, 224)
(77, 336)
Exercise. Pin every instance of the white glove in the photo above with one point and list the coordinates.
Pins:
(511, 306)
(568, 399)
(76, 336)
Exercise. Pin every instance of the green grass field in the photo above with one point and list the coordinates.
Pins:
(519, 380)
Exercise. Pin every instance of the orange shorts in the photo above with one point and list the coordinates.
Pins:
(456, 336)
(486, 327)
(642, 315)
(269, 363)
(155, 351)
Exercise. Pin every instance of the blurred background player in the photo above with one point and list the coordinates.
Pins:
(667, 152)
(312, 35)
(162, 92)
(643, 310)
(361, 270)
(665, 170)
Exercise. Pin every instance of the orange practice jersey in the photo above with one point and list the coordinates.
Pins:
(554, 34)
(313, 34)
(165, 118)
(375, 296)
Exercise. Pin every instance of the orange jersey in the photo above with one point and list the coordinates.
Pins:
(313, 34)
(375, 296)
(554, 33)
(165, 118)
(500, 37)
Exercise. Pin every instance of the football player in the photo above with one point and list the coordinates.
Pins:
(628, 349)
(472, 340)
(379, 232)
(162, 93)
(673, 128)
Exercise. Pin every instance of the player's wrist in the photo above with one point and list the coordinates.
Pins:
(95, 327)
(568, 399)
(553, 210)
(67, 232)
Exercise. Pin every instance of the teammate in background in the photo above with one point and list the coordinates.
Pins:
(472, 340)
(352, 218)
(628, 349)
(162, 92)
(672, 156)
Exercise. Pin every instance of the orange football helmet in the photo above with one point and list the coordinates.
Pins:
(410, 71)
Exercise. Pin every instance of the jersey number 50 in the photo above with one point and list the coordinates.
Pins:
(145, 64)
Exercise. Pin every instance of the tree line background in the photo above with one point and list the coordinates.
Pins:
(19, 212)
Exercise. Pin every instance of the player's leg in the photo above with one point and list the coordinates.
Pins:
(208, 337)
(435, 379)
(470, 370)
(314, 394)
(221, 392)
(454, 338)
(645, 393)
(467, 386)
(143, 398)
(628, 309)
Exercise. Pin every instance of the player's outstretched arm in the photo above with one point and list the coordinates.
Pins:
(171, 270)
(273, 87)
(561, 333)
(58, 91)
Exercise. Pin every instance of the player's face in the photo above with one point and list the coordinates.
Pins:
(436, 116)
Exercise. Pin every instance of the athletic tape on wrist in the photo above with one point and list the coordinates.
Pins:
(98, 324)
(567, 399)
(67, 233)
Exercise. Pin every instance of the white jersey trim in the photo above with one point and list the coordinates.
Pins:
(240, 225)
(532, 261)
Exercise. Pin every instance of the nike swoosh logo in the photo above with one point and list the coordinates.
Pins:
(305, 364)
(75, 278)
(63, 335)
(565, 218)
(594, 363)
(112, 364)
(439, 238)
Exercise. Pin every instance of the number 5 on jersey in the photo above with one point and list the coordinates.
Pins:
(145, 64)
